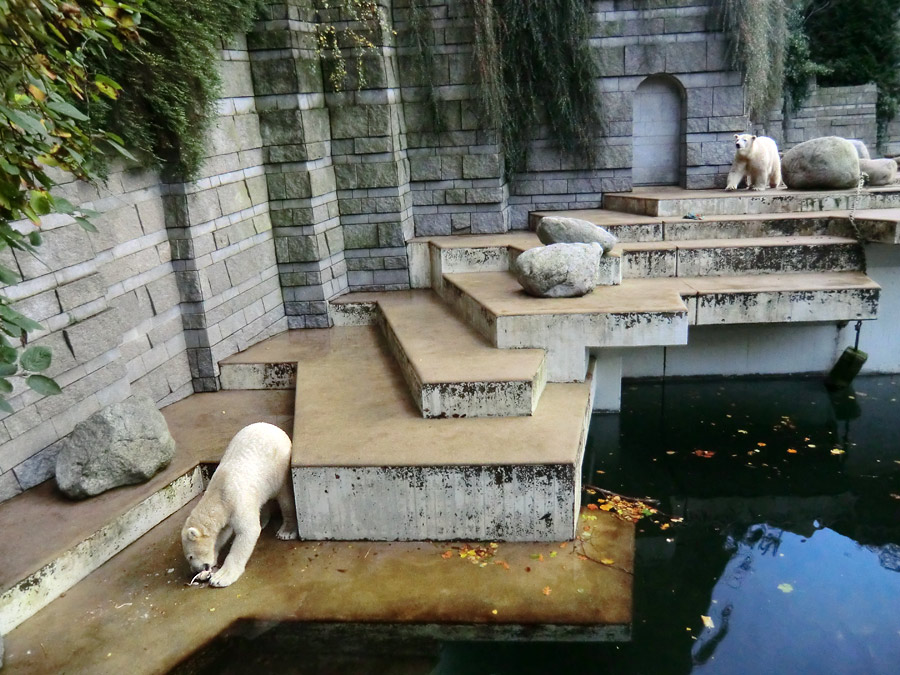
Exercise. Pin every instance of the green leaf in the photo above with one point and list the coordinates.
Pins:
(7, 276)
(35, 238)
(8, 369)
(62, 205)
(5, 386)
(68, 110)
(8, 355)
(43, 385)
(20, 320)
(86, 225)
(27, 122)
(121, 150)
(4, 406)
(39, 202)
(35, 359)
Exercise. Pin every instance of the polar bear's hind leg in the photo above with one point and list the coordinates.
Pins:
(288, 529)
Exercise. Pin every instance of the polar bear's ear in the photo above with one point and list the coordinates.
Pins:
(737, 136)
(753, 138)
(193, 533)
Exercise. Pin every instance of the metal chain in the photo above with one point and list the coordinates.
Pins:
(856, 231)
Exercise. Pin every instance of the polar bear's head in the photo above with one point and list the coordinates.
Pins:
(743, 143)
(199, 547)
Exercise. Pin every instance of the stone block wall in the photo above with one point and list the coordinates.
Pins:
(179, 276)
(111, 308)
(848, 112)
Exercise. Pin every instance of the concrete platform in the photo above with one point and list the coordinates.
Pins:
(368, 466)
(677, 202)
(135, 615)
(450, 369)
(79, 536)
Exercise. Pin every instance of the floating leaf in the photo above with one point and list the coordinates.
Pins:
(447, 554)
(785, 588)
(707, 622)
(706, 454)
(791, 451)
(836, 451)
(743, 431)
(593, 507)
(545, 590)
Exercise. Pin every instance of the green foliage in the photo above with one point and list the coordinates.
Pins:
(422, 35)
(859, 42)
(361, 24)
(170, 80)
(799, 67)
(757, 39)
(534, 57)
(49, 90)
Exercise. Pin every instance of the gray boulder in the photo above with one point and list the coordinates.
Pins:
(123, 444)
(861, 150)
(827, 163)
(557, 230)
(559, 270)
(879, 171)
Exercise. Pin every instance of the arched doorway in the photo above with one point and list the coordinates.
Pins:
(658, 132)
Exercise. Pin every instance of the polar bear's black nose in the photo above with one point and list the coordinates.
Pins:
(206, 567)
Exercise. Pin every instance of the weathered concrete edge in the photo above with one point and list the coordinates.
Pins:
(39, 589)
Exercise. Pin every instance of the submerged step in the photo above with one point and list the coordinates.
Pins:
(366, 465)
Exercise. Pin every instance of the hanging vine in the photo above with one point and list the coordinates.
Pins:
(533, 58)
(362, 26)
(757, 38)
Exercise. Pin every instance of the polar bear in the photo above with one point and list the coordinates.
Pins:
(756, 160)
(254, 469)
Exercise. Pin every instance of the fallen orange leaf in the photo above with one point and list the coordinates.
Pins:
(592, 507)
(448, 554)
(546, 590)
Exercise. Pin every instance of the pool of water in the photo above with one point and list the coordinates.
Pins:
(787, 559)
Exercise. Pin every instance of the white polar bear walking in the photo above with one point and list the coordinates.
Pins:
(756, 160)
(254, 470)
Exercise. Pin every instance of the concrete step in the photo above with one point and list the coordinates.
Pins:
(726, 257)
(432, 257)
(77, 537)
(366, 465)
(677, 202)
(650, 312)
(875, 225)
(638, 313)
(451, 370)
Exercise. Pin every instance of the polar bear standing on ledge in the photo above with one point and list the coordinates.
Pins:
(756, 160)
(254, 470)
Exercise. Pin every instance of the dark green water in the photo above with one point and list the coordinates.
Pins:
(794, 557)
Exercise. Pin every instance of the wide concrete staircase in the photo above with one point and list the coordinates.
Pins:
(460, 409)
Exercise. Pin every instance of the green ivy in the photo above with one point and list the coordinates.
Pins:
(535, 64)
(49, 89)
(170, 80)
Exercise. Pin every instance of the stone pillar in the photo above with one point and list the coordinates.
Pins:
(370, 159)
(296, 139)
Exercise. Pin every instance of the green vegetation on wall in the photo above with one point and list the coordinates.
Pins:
(48, 91)
(860, 43)
(757, 38)
(799, 66)
(170, 80)
(532, 58)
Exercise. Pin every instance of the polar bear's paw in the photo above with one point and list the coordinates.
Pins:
(224, 577)
(285, 533)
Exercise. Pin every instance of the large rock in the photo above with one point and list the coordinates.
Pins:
(123, 444)
(827, 163)
(861, 150)
(557, 230)
(559, 270)
(879, 171)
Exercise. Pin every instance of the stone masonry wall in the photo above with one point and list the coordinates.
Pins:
(179, 276)
(848, 112)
